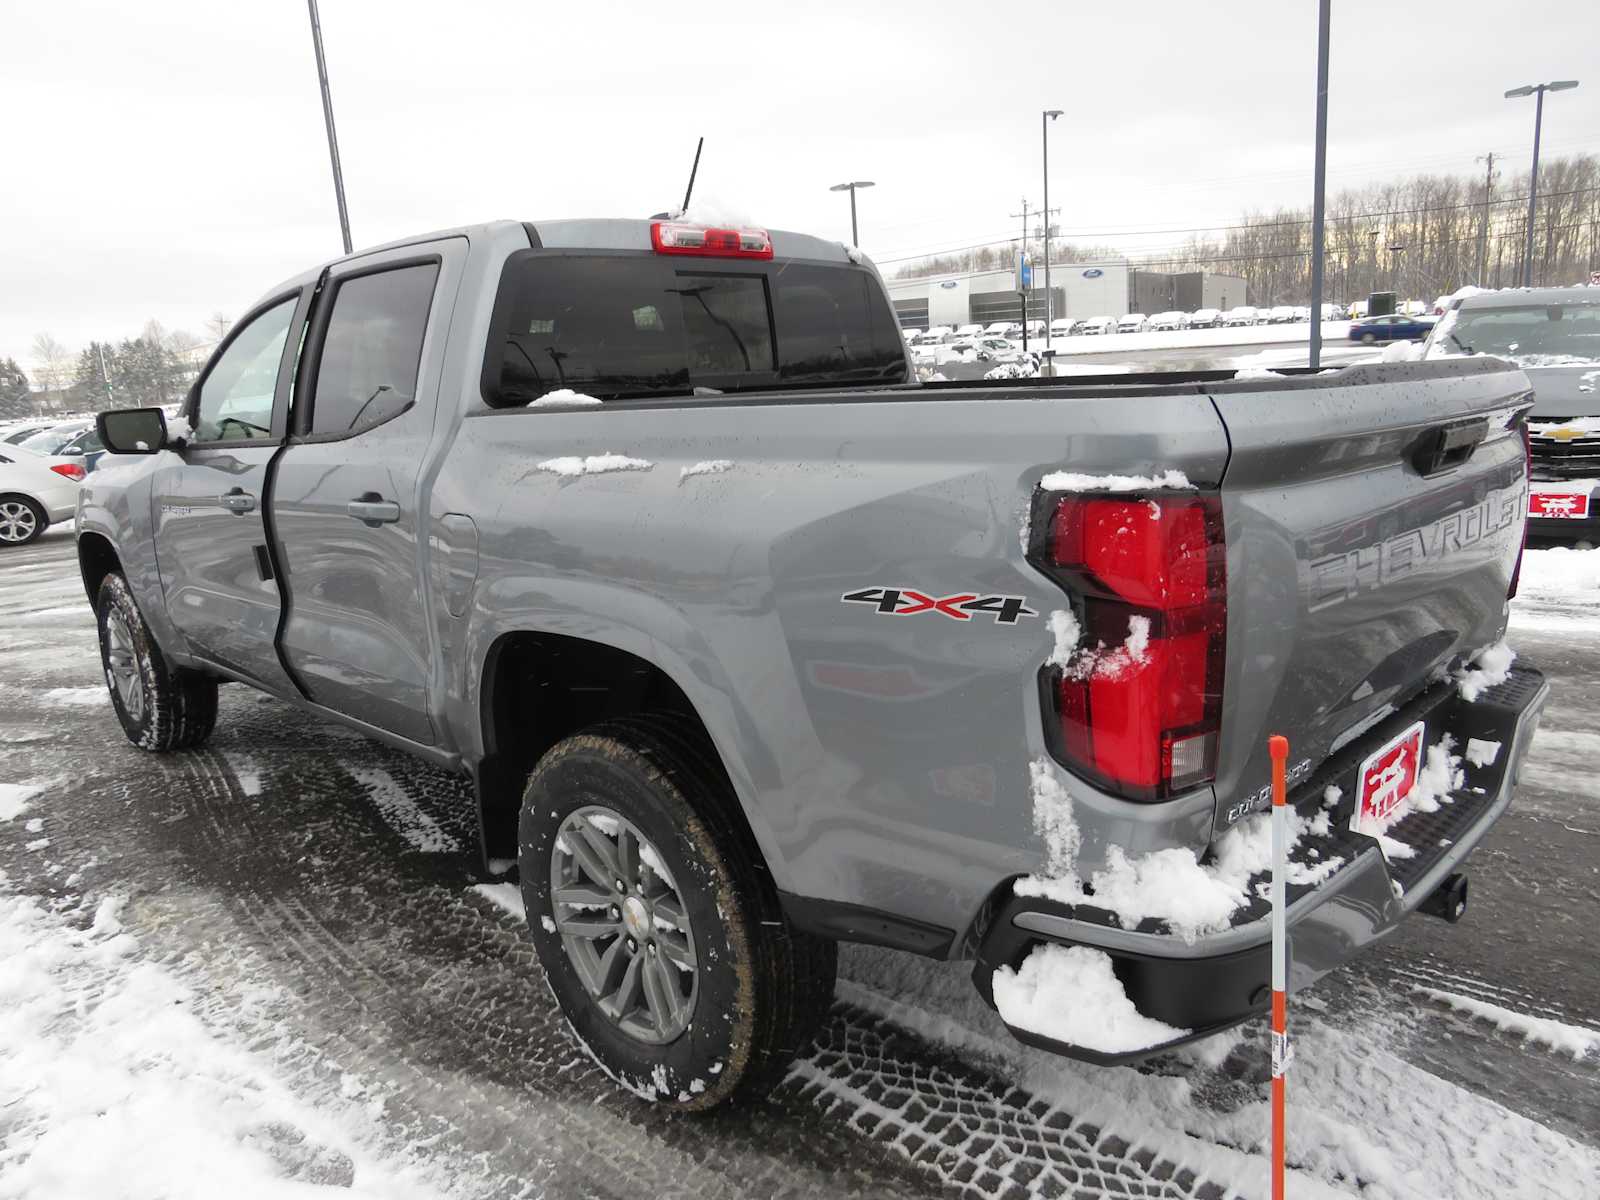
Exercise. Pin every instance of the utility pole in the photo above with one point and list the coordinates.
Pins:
(1488, 199)
(100, 349)
(1319, 186)
(1049, 114)
(327, 117)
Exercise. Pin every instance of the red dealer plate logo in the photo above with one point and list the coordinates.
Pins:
(1561, 505)
(1387, 778)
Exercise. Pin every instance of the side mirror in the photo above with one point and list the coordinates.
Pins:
(132, 430)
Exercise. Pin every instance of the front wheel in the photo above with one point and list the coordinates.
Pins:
(161, 707)
(657, 926)
(21, 520)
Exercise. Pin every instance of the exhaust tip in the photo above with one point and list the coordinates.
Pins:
(1449, 899)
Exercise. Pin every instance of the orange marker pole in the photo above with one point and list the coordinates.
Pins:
(1278, 746)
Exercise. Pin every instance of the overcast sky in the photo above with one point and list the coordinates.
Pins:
(167, 159)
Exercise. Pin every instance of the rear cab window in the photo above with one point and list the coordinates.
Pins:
(623, 325)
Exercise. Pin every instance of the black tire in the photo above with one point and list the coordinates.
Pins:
(760, 989)
(1368, 338)
(21, 520)
(166, 708)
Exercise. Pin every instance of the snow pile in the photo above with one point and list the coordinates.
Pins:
(1071, 481)
(1403, 351)
(1482, 753)
(1065, 628)
(1070, 994)
(111, 1087)
(14, 799)
(712, 466)
(1099, 661)
(708, 209)
(565, 398)
(1584, 425)
(572, 467)
(1490, 667)
(506, 896)
(1558, 1035)
(179, 430)
(1257, 373)
(855, 254)
(1013, 370)
(1170, 885)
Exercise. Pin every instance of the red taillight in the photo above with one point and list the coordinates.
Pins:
(1527, 474)
(672, 237)
(71, 470)
(1140, 718)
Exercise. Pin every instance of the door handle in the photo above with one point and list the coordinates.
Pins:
(238, 502)
(373, 510)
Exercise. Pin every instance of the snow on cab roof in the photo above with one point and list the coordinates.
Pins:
(1520, 297)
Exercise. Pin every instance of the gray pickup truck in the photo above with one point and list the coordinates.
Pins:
(751, 644)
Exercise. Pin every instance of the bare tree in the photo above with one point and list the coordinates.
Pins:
(53, 363)
(218, 324)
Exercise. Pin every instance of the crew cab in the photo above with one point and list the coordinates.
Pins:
(751, 644)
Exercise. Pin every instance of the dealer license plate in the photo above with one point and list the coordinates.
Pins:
(1561, 505)
(1386, 779)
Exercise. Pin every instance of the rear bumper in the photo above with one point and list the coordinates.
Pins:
(1221, 979)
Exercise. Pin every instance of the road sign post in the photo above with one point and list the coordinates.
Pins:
(1279, 748)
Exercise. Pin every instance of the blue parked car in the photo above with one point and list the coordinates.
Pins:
(1396, 327)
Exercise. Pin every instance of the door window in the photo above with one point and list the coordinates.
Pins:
(236, 397)
(372, 350)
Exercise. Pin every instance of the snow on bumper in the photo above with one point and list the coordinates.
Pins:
(1204, 984)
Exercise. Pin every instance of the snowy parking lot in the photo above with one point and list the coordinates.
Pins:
(271, 965)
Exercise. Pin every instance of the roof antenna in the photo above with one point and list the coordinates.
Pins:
(693, 171)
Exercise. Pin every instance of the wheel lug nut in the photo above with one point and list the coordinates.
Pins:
(632, 945)
(651, 946)
(621, 886)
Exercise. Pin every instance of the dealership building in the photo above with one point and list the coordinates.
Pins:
(1106, 289)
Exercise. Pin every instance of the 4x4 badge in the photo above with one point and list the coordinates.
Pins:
(905, 602)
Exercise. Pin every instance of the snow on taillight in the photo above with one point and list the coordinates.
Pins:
(676, 237)
(71, 470)
(1138, 710)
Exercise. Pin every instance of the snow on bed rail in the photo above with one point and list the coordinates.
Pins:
(712, 466)
(572, 466)
(565, 398)
(1074, 481)
(1070, 994)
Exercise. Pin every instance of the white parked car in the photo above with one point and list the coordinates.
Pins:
(1244, 314)
(34, 494)
(1094, 325)
(998, 349)
(936, 333)
(1205, 318)
(1282, 314)
(1035, 329)
(911, 336)
(969, 331)
(1358, 310)
(1002, 329)
(1132, 323)
(1171, 319)
(1062, 327)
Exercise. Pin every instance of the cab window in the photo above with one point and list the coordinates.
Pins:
(236, 397)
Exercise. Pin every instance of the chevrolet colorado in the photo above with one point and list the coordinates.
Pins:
(752, 644)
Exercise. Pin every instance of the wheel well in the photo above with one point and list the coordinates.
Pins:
(96, 560)
(541, 687)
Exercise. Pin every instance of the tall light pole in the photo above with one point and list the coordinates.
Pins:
(327, 117)
(1319, 187)
(1536, 90)
(1049, 114)
(855, 238)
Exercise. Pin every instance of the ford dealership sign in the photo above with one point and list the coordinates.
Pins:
(1093, 273)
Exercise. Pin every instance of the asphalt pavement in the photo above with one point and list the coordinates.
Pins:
(283, 860)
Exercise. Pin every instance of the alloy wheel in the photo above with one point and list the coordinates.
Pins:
(18, 521)
(122, 665)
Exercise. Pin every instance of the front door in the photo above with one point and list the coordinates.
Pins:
(210, 502)
(347, 508)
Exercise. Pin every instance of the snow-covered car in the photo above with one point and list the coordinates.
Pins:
(936, 333)
(1278, 314)
(1096, 325)
(911, 335)
(1062, 327)
(1002, 329)
(1035, 329)
(1132, 323)
(1205, 318)
(1169, 320)
(1000, 350)
(969, 331)
(35, 492)
(1333, 312)
(1244, 314)
(19, 432)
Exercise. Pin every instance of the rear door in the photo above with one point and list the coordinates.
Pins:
(348, 502)
(1366, 556)
(210, 499)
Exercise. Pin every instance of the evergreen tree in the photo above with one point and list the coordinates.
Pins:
(16, 398)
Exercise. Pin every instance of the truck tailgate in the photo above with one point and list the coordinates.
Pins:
(1374, 518)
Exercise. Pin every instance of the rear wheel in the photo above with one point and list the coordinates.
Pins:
(657, 925)
(161, 707)
(1368, 338)
(21, 520)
